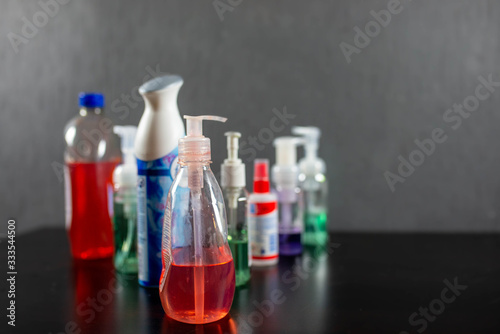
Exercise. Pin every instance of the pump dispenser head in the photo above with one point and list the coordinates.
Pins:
(233, 169)
(285, 171)
(311, 164)
(127, 138)
(126, 173)
(194, 149)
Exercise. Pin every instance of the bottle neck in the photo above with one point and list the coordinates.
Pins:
(84, 111)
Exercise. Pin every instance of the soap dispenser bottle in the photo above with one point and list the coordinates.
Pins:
(197, 280)
(290, 200)
(315, 187)
(233, 182)
(125, 203)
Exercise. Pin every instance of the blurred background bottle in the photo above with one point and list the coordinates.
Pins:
(315, 187)
(290, 201)
(233, 183)
(125, 204)
(91, 154)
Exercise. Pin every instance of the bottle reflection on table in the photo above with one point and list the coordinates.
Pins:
(222, 326)
(95, 287)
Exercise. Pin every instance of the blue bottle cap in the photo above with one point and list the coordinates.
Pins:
(91, 100)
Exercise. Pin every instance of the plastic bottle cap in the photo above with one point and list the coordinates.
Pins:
(233, 169)
(91, 100)
(261, 176)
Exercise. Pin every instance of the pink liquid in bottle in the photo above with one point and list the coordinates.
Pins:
(90, 229)
(180, 293)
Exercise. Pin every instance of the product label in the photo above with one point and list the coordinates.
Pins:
(153, 184)
(263, 226)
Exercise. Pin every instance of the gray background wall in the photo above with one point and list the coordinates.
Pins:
(265, 55)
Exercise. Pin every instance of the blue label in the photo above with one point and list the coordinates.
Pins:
(153, 184)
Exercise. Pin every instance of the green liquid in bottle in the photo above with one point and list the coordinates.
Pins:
(125, 218)
(239, 249)
(315, 233)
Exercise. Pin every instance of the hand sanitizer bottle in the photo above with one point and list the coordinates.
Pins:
(314, 185)
(156, 151)
(262, 216)
(125, 203)
(233, 181)
(92, 153)
(197, 280)
(290, 201)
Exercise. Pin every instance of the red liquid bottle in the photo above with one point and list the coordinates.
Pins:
(91, 154)
(197, 280)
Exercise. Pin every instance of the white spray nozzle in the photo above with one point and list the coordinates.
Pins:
(127, 136)
(286, 150)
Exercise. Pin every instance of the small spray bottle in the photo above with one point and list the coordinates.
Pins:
(314, 185)
(290, 201)
(125, 204)
(262, 216)
(233, 182)
(197, 279)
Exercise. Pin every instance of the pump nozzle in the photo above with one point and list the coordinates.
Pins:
(311, 164)
(127, 137)
(126, 173)
(311, 136)
(286, 150)
(233, 170)
(194, 149)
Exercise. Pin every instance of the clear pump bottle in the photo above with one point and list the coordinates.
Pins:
(197, 280)
(233, 182)
(125, 204)
(315, 187)
(290, 200)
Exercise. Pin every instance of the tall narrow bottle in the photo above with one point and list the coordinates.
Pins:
(197, 281)
(91, 154)
(156, 151)
(262, 216)
(315, 187)
(290, 201)
(125, 204)
(233, 182)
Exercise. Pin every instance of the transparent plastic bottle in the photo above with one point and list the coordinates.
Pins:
(236, 201)
(290, 200)
(233, 182)
(197, 280)
(314, 185)
(91, 154)
(125, 204)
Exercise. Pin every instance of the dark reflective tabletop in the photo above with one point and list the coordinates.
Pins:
(358, 283)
